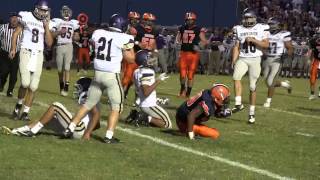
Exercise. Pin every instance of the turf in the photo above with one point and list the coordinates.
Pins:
(284, 140)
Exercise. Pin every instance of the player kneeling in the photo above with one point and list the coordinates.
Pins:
(57, 117)
(199, 108)
(146, 83)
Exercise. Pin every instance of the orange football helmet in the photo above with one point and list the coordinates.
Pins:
(133, 15)
(149, 17)
(220, 94)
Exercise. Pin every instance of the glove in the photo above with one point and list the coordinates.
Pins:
(163, 77)
(226, 113)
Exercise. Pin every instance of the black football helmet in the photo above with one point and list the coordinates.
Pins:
(66, 12)
(118, 23)
(143, 59)
(249, 18)
(81, 88)
(41, 10)
(274, 24)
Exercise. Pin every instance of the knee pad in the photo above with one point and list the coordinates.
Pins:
(117, 107)
(253, 87)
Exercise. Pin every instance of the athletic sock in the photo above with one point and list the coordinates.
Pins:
(109, 134)
(37, 128)
(66, 86)
(61, 86)
(188, 91)
(182, 88)
(26, 109)
(237, 100)
(268, 100)
(252, 110)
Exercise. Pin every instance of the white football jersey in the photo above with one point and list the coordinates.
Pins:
(69, 26)
(299, 48)
(33, 32)
(259, 31)
(108, 49)
(228, 44)
(276, 43)
(145, 76)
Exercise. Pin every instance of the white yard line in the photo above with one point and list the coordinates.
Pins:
(305, 134)
(196, 152)
(245, 133)
(199, 153)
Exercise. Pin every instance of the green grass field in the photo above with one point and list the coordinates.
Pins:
(283, 143)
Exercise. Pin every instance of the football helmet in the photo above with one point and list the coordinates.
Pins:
(148, 20)
(41, 10)
(143, 59)
(190, 19)
(274, 24)
(317, 30)
(220, 94)
(118, 23)
(81, 88)
(133, 18)
(66, 12)
(249, 18)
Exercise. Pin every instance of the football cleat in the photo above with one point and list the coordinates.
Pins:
(24, 117)
(64, 93)
(251, 119)
(113, 140)
(237, 108)
(15, 113)
(5, 130)
(312, 97)
(67, 134)
(26, 133)
(286, 84)
(266, 104)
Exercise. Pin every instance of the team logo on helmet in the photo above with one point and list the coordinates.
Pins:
(221, 94)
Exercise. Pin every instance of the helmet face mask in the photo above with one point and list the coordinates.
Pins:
(81, 88)
(143, 59)
(133, 18)
(221, 95)
(41, 10)
(249, 18)
(274, 25)
(190, 19)
(66, 12)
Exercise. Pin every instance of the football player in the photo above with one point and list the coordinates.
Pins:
(57, 117)
(199, 108)
(314, 46)
(146, 83)
(111, 46)
(189, 36)
(83, 54)
(36, 32)
(278, 41)
(63, 30)
(251, 38)
(128, 68)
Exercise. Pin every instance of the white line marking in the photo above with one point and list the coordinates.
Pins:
(196, 152)
(245, 133)
(295, 113)
(199, 153)
(305, 134)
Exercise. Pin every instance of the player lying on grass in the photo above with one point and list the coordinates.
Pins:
(57, 117)
(199, 108)
(146, 82)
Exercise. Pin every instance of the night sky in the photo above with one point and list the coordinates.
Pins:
(168, 12)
